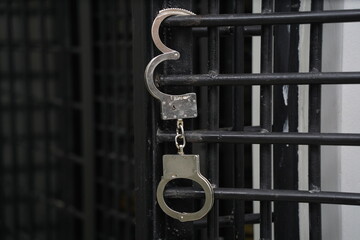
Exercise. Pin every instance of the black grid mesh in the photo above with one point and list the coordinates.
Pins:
(45, 169)
(28, 133)
(113, 119)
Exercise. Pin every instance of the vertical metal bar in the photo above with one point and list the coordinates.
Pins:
(239, 213)
(286, 59)
(2, 167)
(315, 122)
(13, 120)
(66, 124)
(44, 73)
(127, 97)
(213, 118)
(159, 219)
(266, 122)
(87, 92)
(142, 116)
(29, 121)
(117, 82)
(104, 86)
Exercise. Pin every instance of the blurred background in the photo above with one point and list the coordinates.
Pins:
(66, 156)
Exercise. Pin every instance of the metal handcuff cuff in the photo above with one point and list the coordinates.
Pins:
(176, 166)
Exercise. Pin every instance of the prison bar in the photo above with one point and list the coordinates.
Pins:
(261, 79)
(226, 31)
(213, 120)
(286, 59)
(335, 16)
(314, 159)
(343, 198)
(201, 136)
(238, 120)
(228, 221)
(266, 66)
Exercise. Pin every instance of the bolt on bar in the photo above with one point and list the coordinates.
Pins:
(261, 79)
(201, 136)
(343, 198)
(264, 18)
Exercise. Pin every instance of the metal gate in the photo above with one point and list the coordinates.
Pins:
(215, 63)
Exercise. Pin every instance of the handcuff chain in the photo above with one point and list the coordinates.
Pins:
(180, 135)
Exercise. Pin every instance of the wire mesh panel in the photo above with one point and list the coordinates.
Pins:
(29, 169)
(113, 119)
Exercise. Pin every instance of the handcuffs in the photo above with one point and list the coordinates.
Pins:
(176, 166)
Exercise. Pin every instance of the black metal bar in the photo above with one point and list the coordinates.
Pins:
(227, 118)
(62, 122)
(105, 84)
(203, 31)
(224, 221)
(238, 123)
(200, 136)
(315, 122)
(266, 65)
(343, 198)
(265, 18)
(88, 125)
(286, 59)
(29, 117)
(262, 79)
(254, 30)
(228, 221)
(158, 222)
(142, 131)
(15, 226)
(46, 127)
(213, 120)
(248, 31)
(2, 167)
(120, 180)
(127, 98)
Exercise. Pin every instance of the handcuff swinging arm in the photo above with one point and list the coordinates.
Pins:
(172, 106)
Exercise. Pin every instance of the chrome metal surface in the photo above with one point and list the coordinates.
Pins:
(172, 106)
(186, 167)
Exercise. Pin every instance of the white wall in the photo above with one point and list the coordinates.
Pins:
(349, 122)
(331, 103)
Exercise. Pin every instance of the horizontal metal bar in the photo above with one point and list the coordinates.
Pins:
(343, 198)
(264, 18)
(224, 221)
(225, 31)
(228, 221)
(261, 79)
(201, 136)
(203, 31)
